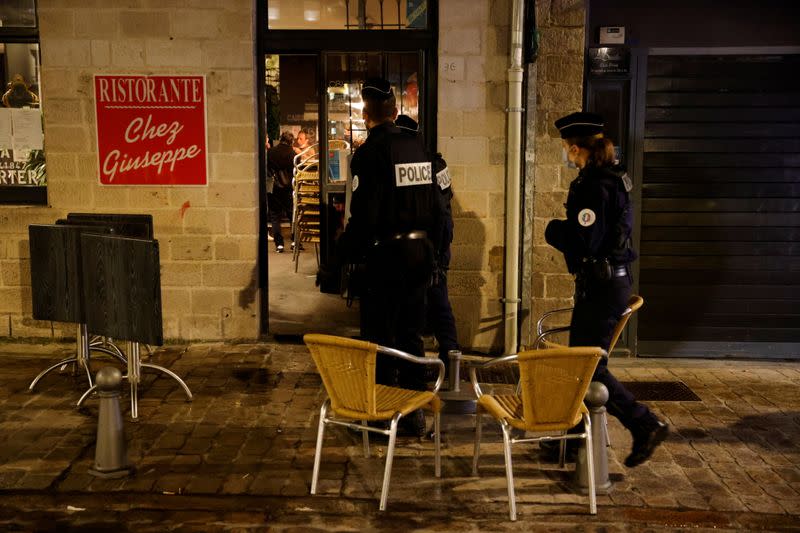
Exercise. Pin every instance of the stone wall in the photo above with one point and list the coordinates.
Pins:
(555, 89)
(207, 235)
(473, 60)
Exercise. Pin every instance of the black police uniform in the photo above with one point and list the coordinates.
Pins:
(393, 214)
(595, 240)
(440, 312)
(439, 315)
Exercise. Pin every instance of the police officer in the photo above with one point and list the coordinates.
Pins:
(439, 316)
(596, 242)
(393, 214)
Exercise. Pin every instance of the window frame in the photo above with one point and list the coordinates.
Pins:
(15, 194)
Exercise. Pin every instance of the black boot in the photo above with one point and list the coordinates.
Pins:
(645, 442)
(413, 424)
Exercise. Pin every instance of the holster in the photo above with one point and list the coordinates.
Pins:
(598, 269)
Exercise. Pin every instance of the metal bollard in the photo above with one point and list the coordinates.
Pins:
(454, 379)
(111, 456)
(595, 399)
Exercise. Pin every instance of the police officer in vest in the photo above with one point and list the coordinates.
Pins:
(439, 316)
(393, 214)
(595, 239)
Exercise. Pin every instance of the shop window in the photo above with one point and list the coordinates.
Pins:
(18, 14)
(347, 14)
(23, 175)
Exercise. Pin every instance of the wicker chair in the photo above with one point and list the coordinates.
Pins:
(634, 303)
(306, 220)
(347, 368)
(553, 384)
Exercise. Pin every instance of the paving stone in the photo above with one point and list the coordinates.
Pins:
(762, 505)
(237, 483)
(268, 483)
(204, 485)
(34, 481)
(253, 434)
(195, 446)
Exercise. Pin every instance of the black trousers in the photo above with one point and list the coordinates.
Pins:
(279, 203)
(598, 306)
(440, 319)
(393, 308)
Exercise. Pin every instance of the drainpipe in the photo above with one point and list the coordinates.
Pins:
(511, 298)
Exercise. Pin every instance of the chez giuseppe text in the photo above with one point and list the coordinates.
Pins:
(151, 129)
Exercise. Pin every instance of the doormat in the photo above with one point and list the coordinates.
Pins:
(661, 391)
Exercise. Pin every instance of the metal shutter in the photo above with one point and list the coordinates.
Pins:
(720, 217)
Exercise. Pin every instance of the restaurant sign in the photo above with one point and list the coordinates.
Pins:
(151, 130)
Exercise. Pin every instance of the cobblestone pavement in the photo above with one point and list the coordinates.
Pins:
(239, 456)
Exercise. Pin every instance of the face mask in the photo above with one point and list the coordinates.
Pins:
(565, 159)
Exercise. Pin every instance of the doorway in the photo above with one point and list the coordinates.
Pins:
(313, 102)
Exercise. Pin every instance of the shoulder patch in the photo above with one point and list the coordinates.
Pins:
(355, 183)
(626, 181)
(443, 178)
(586, 217)
(408, 174)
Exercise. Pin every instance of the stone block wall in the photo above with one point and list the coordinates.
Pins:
(555, 89)
(208, 235)
(473, 61)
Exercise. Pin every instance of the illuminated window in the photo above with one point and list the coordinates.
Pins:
(347, 14)
(23, 176)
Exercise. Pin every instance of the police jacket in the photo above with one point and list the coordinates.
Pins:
(599, 219)
(444, 193)
(393, 190)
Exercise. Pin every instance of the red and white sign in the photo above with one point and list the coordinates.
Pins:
(151, 130)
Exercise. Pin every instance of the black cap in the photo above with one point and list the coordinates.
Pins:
(580, 124)
(376, 88)
(407, 123)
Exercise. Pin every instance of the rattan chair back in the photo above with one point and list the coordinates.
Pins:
(347, 367)
(634, 303)
(553, 383)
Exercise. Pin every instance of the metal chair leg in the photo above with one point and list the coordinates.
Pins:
(476, 454)
(134, 400)
(85, 395)
(134, 374)
(365, 438)
(80, 359)
(590, 464)
(171, 374)
(50, 369)
(437, 442)
(118, 356)
(562, 453)
(104, 344)
(512, 499)
(387, 472)
(323, 414)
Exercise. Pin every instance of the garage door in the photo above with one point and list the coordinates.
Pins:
(720, 235)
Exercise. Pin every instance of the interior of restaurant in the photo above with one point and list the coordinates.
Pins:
(316, 97)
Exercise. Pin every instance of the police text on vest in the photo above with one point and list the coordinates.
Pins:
(406, 174)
